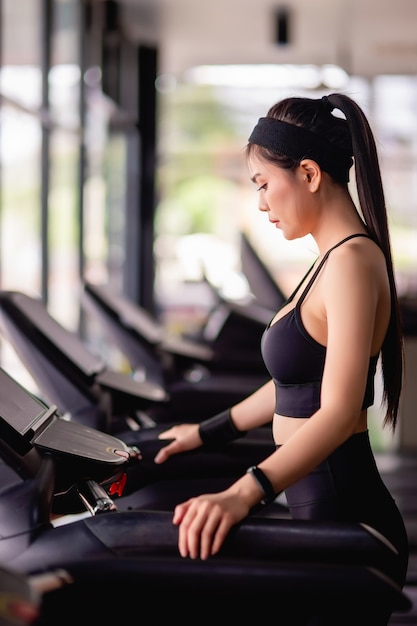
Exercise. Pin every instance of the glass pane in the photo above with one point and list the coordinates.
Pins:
(20, 158)
(21, 51)
(63, 200)
(20, 145)
(63, 229)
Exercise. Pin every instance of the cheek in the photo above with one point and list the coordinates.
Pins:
(285, 195)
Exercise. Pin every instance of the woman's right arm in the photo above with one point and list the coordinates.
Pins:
(254, 411)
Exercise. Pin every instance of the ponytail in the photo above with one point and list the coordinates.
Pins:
(373, 208)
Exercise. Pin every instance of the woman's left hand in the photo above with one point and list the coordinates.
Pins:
(205, 521)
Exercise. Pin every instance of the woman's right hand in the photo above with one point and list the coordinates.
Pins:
(185, 436)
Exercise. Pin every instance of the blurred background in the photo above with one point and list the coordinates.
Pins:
(122, 128)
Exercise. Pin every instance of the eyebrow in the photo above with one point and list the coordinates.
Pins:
(254, 177)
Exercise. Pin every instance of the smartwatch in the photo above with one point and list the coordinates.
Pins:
(263, 483)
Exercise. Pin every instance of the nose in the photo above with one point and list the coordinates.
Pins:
(262, 204)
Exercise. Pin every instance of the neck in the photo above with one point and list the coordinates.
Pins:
(338, 219)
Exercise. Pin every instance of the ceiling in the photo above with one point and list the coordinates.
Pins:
(365, 37)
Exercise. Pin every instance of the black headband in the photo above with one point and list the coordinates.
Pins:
(299, 143)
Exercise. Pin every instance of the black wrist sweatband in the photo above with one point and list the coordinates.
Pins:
(263, 483)
(219, 429)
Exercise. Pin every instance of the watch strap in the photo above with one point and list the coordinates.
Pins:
(264, 483)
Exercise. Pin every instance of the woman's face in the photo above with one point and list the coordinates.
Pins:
(283, 195)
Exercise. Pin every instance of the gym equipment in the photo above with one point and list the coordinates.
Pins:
(108, 550)
(73, 378)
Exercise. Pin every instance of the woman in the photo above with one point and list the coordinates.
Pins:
(322, 346)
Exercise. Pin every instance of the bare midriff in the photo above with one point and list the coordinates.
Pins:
(284, 427)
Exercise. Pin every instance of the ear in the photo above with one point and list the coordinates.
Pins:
(311, 173)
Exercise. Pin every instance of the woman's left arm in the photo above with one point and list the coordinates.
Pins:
(351, 295)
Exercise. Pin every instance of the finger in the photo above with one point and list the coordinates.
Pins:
(180, 511)
(184, 514)
(219, 538)
(192, 527)
(164, 453)
(183, 539)
(209, 533)
(167, 434)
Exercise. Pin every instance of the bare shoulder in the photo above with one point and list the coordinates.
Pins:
(356, 273)
(360, 256)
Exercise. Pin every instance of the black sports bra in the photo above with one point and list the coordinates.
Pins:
(296, 361)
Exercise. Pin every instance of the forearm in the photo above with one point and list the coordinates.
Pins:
(255, 410)
(309, 446)
(301, 453)
(235, 422)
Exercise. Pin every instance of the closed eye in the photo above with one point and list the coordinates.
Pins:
(262, 187)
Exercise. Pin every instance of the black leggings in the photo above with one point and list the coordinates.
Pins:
(348, 487)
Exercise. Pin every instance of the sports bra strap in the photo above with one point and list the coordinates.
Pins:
(322, 262)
